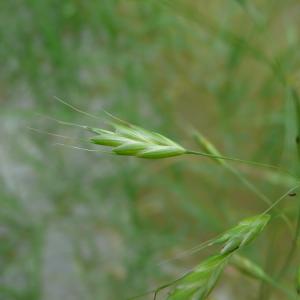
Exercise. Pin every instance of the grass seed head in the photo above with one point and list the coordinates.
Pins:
(248, 267)
(128, 139)
(242, 234)
(199, 283)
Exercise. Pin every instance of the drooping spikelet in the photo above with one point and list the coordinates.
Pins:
(243, 233)
(248, 267)
(128, 139)
(199, 283)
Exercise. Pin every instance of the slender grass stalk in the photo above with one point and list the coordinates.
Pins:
(275, 203)
(220, 157)
(293, 248)
(211, 149)
(238, 160)
(202, 141)
(296, 99)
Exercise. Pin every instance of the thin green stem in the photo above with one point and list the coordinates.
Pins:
(238, 160)
(281, 198)
(257, 192)
(292, 249)
(249, 184)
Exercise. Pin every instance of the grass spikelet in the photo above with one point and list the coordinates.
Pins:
(242, 234)
(128, 139)
(199, 283)
(248, 267)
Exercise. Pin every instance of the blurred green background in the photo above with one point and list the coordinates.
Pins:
(82, 225)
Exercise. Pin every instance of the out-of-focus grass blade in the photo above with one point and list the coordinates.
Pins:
(207, 146)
